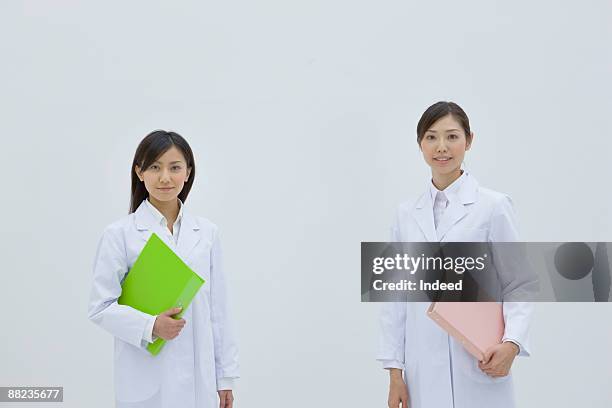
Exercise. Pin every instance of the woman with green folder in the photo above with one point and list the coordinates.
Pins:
(199, 360)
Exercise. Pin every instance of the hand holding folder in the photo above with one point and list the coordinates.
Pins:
(476, 325)
(159, 280)
(167, 326)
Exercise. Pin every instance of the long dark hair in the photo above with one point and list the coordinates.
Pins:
(439, 110)
(150, 149)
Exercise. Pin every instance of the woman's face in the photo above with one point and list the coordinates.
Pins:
(444, 145)
(164, 179)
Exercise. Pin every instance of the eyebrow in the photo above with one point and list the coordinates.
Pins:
(174, 162)
(448, 130)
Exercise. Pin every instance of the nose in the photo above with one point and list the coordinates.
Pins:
(164, 177)
(441, 146)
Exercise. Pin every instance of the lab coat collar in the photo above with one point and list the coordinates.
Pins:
(450, 190)
(147, 223)
(465, 193)
(160, 217)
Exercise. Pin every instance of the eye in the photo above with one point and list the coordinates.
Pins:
(175, 168)
(154, 167)
(453, 136)
(430, 137)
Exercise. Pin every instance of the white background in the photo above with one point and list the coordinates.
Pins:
(302, 116)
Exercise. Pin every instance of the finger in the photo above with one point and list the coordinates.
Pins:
(178, 323)
(493, 365)
(487, 355)
(226, 398)
(492, 368)
(172, 312)
(221, 400)
(492, 362)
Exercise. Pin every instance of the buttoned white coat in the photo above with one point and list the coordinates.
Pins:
(438, 371)
(184, 374)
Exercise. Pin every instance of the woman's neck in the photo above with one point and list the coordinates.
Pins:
(169, 209)
(441, 181)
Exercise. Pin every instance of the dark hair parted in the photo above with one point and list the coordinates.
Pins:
(148, 151)
(437, 111)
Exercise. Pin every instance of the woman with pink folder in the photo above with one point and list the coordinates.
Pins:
(427, 367)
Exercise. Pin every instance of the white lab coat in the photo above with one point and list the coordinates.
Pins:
(438, 371)
(185, 373)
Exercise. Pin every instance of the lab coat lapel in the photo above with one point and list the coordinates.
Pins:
(453, 213)
(458, 206)
(423, 215)
(189, 235)
(145, 222)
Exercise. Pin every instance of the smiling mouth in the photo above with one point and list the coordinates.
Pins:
(442, 159)
(165, 188)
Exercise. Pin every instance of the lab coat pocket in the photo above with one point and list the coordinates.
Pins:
(136, 373)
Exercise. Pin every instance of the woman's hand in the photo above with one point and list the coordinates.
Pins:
(499, 359)
(398, 391)
(167, 327)
(226, 399)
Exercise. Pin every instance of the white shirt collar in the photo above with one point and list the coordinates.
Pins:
(448, 191)
(160, 217)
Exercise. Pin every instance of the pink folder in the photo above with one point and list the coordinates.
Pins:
(476, 325)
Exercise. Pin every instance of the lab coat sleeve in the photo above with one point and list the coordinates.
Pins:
(391, 349)
(226, 350)
(225, 384)
(517, 314)
(148, 332)
(110, 266)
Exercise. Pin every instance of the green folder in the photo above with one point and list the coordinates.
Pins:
(159, 280)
